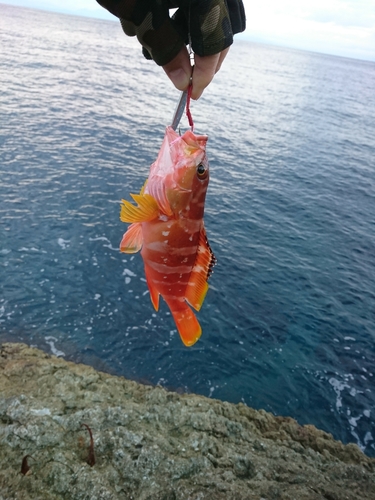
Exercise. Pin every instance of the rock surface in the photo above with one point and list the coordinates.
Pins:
(153, 444)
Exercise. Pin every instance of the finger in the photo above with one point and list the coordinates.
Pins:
(222, 56)
(179, 70)
(204, 71)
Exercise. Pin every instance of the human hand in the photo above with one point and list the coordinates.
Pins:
(209, 25)
(179, 70)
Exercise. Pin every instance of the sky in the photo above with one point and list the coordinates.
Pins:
(339, 27)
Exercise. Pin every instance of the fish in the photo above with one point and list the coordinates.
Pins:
(167, 227)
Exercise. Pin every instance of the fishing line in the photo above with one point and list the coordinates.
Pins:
(190, 88)
(188, 112)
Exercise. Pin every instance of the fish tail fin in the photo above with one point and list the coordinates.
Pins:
(187, 325)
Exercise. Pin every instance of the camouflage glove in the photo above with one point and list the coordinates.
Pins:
(212, 25)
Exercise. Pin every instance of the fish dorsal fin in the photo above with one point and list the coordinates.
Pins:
(197, 287)
(147, 208)
(132, 240)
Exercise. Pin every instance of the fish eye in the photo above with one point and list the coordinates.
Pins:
(202, 171)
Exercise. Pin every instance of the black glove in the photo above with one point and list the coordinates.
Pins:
(211, 23)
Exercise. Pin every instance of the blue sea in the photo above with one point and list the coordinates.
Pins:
(289, 320)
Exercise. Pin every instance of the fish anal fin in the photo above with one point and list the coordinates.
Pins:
(187, 325)
(132, 240)
(154, 294)
(197, 286)
(147, 209)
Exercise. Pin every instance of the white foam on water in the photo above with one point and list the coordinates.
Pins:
(114, 249)
(63, 243)
(103, 238)
(99, 238)
(212, 389)
(368, 438)
(51, 342)
(339, 387)
(353, 423)
(31, 249)
(128, 272)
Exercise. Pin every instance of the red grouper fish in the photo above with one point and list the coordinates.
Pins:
(167, 226)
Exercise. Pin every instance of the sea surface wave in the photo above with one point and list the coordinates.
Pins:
(288, 323)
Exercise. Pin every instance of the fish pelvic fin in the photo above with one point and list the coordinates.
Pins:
(197, 287)
(154, 294)
(132, 240)
(147, 209)
(187, 325)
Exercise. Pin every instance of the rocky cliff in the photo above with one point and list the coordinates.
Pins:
(148, 443)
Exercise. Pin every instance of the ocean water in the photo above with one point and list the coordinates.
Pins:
(289, 320)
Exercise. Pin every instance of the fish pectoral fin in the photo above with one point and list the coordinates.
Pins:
(187, 325)
(197, 286)
(154, 294)
(132, 240)
(147, 209)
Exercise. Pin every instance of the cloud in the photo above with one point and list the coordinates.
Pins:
(88, 8)
(346, 13)
(340, 27)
